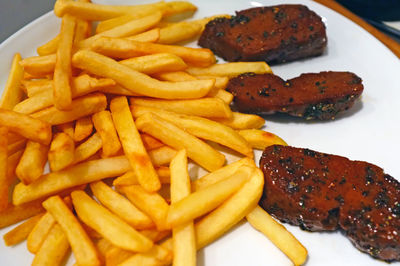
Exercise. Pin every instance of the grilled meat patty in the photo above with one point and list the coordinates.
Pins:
(273, 34)
(323, 192)
(312, 96)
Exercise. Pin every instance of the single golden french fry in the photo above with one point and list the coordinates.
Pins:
(124, 48)
(26, 126)
(39, 232)
(202, 128)
(231, 69)
(220, 81)
(148, 36)
(278, 234)
(157, 255)
(133, 145)
(54, 248)
(114, 22)
(4, 180)
(155, 63)
(33, 87)
(32, 162)
(205, 107)
(129, 178)
(82, 247)
(83, 128)
(14, 214)
(138, 82)
(108, 224)
(61, 152)
(162, 155)
(81, 107)
(39, 66)
(176, 137)
(260, 139)
(149, 142)
(21, 232)
(12, 93)
(120, 206)
(50, 47)
(150, 203)
(242, 121)
(104, 125)
(88, 148)
(231, 211)
(79, 174)
(175, 76)
(207, 199)
(225, 96)
(62, 68)
(178, 32)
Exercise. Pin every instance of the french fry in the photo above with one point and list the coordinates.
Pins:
(129, 178)
(88, 148)
(61, 152)
(83, 128)
(54, 248)
(81, 107)
(207, 199)
(50, 47)
(108, 225)
(7, 180)
(231, 211)
(12, 93)
(124, 48)
(120, 206)
(26, 126)
(104, 125)
(155, 235)
(260, 139)
(32, 162)
(202, 128)
(118, 90)
(162, 155)
(178, 32)
(67, 128)
(242, 121)
(147, 36)
(150, 143)
(4, 180)
(133, 145)
(16, 146)
(62, 69)
(14, 214)
(111, 23)
(225, 96)
(33, 87)
(83, 28)
(103, 246)
(205, 107)
(175, 76)
(39, 66)
(79, 174)
(183, 236)
(278, 234)
(152, 204)
(82, 247)
(157, 255)
(197, 150)
(39, 232)
(220, 81)
(21, 232)
(231, 69)
(155, 63)
(138, 82)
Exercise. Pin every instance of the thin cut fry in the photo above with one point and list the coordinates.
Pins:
(61, 152)
(260, 139)
(21, 232)
(32, 162)
(231, 69)
(4, 183)
(12, 93)
(88, 148)
(83, 128)
(104, 125)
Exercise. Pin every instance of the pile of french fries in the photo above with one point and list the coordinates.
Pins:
(117, 114)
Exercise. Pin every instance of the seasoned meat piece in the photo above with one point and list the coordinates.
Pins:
(312, 96)
(320, 191)
(273, 34)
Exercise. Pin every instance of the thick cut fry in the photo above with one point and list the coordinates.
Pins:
(73, 176)
(138, 82)
(26, 126)
(197, 150)
(231, 69)
(39, 66)
(67, 128)
(242, 121)
(162, 155)
(202, 128)
(14, 214)
(83, 128)
(54, 248)
(81, 107)
(129, 178)
(133, 145)
(39, 232)
(260, 139)
(150, 143)
(155, 63)
(157, 255)
(33, 87)
(203, 201)
(178, 32)
(12, 93)
(152, 204)
(83, 28)
(50, 47)
(120, 206)
(32, 162)
(62, 69)
(21, 232)
(278, 234)
(231, 211)
(183, 236)
(147, 36)
(205, 107)
(108, 225)
(88, 148)
(124, 48)
(130, 28)
(4, 180)
(104, 125)
(82, 247)
(61, 152)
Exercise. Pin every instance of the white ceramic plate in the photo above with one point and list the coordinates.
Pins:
(369, 131)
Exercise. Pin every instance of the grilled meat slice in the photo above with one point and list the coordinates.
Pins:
(312, 96)
(273, 34)
(318, 191)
